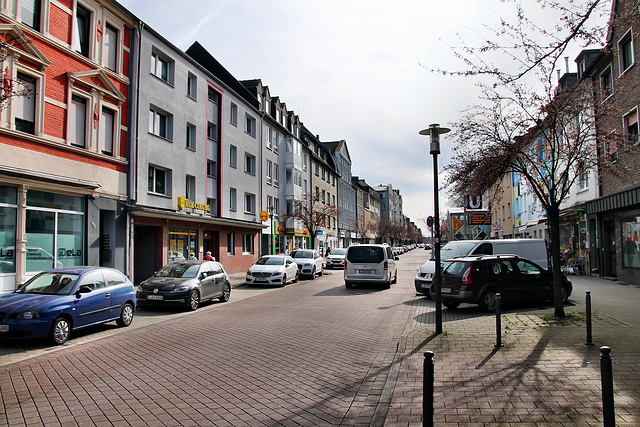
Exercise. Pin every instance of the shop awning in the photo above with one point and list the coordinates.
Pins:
(29, 177)
(195, 217)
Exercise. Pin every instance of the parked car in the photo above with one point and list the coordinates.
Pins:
(185, 283)
(477, 280)
(532, 249)
(309, 262)
(336, 258)
(56, 302)
(273, 270)
(370, 264)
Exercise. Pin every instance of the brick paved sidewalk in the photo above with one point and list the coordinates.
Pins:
(543, 374)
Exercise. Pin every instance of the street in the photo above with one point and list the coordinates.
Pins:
(311, 353)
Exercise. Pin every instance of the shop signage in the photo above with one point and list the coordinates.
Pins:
(264, 215)
(184, 203)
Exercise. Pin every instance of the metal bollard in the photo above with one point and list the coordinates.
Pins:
(428, 388)
(589, 329)
(606, 374)
(498, 322)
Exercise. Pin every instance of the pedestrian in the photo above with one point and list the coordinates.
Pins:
(192, 256)
(208, 256)
(328, 251)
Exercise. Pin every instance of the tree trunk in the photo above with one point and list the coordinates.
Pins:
(553, 216)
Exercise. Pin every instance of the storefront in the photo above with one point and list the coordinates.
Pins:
(60, 229)
(160, 237)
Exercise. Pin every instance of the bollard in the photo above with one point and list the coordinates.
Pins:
(588, 308)
(428, 381)
(498, 322)
(606, 374)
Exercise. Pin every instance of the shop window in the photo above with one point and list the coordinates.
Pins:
(231, 244)
(8, 217)
(631, 243)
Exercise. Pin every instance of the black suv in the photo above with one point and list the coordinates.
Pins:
(477, 280)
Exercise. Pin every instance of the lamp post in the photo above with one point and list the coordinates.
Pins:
(434, 131)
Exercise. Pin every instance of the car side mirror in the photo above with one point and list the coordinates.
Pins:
(84, 289)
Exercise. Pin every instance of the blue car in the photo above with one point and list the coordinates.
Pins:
(57, 301)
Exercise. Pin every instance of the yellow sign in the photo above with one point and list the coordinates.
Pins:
(264, 215)
(184, 203)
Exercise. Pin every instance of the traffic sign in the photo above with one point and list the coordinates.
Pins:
(430, 221)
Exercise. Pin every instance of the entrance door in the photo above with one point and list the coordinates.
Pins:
(144, 253)
(211, 242)
(610, 260)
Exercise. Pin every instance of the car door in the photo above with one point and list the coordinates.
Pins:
(92, 307)
(218, 279)
(206, 281)
(508, 278)
(291, 268)
(535, 286)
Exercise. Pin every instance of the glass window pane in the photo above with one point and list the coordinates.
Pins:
(40, 232)
(8, 239)
(54, 201)
(70, 238)
(111, 47)
(107, 130)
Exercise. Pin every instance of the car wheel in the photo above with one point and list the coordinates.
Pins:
(313, 273)
(295, 279)
(226, 293)
(565, 295)
(488, 300)
(451, 304)
(60, 331)
(321, 272)
(348, 285)
(395, 278)
(126, 315)
(194, 300)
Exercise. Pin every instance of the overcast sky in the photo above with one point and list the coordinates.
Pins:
(350, 69)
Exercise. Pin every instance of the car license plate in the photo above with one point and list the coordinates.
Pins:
(4, 328)
(365, 271)
(156, 297)
(261, 280)
(446, 290)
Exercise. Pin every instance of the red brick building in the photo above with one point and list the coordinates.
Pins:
(64, 133)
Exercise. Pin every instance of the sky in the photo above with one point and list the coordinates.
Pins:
(350, 69)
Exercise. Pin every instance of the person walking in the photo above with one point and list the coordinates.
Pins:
(209, 257)
(192, 257)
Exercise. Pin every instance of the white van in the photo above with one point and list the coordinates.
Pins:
(370, 264)
(532, 249)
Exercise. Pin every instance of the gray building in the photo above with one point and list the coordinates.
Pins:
(345, 192)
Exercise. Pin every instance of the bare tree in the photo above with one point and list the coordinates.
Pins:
(361, 227)
(311, 213)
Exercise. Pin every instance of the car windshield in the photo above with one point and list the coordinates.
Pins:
(179, 270)
(49, 284)
(302, 254)
(454, 249)
(338, 251)
(270, 261)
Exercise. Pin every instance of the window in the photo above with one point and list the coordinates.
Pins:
(305, 161)
(233, 199)
(288, 176)
(269, 172)
(247, 243)
(234, 114)
(160, 124)
(192, 86)
(631, 127)
(83, 27)
(212, 131)
(606, 83)
(625, 51)
(31, 13)
(276, 174)
(107, 131)
(611, 148)
(162, 67)
(276, 207)
(231, 247)
(289, 145)
(276, 142)
(317, 171)
(251, 126)
(190, 188)
(212, 169)
(249, 164)
(249, 203)
(110, 52)
(269, 137)
(159, 181)
(323, 196)
(25, 105)
(583, 179)
(213, 206)
(233, 156)
(78, 118)
(191, 136)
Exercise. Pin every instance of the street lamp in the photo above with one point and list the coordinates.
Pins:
(434, 131)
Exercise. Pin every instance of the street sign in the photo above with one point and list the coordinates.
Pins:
(430, 221)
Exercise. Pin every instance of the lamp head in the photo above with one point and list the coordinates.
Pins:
(434, 131)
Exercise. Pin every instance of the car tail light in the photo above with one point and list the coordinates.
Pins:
(345, 264)
(386, 265)
(466, 277)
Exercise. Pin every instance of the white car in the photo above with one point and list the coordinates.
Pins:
(309, 262)
(336, 258)
(273, 270)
